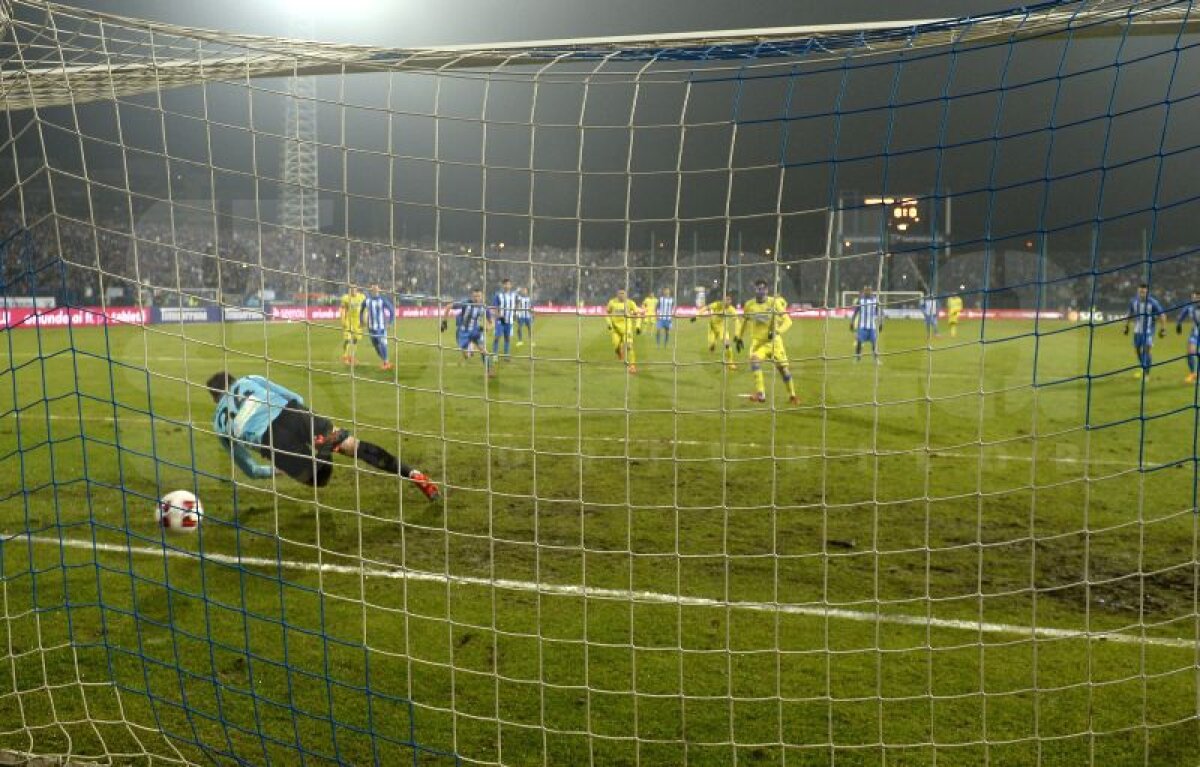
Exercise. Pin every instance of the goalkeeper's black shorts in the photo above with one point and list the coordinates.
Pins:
(299, 443)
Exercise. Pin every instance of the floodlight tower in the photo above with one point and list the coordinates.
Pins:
(298, 202)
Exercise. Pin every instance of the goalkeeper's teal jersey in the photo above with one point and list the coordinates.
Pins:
(245, 412)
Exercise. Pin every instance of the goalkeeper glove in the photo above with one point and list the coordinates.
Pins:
(851, 327)
(1179, 330)
(1126, 330)
(1162, 331)
(695, 318)
(770, 335)
(738, 343)
(444, 325)
(638, 330)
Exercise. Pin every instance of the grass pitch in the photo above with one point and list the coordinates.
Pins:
(624, 570)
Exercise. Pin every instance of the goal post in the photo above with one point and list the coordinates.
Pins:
(656, 537)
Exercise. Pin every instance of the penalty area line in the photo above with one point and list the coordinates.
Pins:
(400, 573)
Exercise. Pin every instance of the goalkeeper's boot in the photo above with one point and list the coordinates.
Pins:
(794, 400)
(1191, 378)
(633, 369)
(386, 366)
(424, 484)
(345, 359)
(757, 396)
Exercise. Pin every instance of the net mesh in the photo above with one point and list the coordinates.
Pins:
(981, 549)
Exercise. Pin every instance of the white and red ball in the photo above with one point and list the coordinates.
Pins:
(179, 512)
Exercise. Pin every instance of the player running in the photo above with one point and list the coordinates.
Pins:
(666, 317)
(624, 320)
(504, 315)
(721, 326)
(379, 314)
(954, 307)
(473, 318)
(929, 310)
(869, 316)
(1145, 312)
(524, 317)
(1191, 312)
(766, 319)
(350, 314)
(254, 413)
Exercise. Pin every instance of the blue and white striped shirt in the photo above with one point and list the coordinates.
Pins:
(666, 307)
(929, 307)
(471, 316)
(869, 315)
(505, 302)
(524, 307)
(1144, 313)
(377, 312)
(1190, 312)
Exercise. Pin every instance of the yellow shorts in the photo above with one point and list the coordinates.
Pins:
(352, 334)
(619, 339)
(718, 333)
(952, 317)
(769, 351)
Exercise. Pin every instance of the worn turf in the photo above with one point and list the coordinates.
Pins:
(624, 569)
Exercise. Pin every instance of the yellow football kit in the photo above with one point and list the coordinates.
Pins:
(350, 310)
(954, 307)
(763, 324)
(624, 320)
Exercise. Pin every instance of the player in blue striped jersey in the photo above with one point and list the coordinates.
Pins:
(929, 310)
(665, 310)
(474, 317)
(1191, 312)
(869, 318)
(504, 315)
(378, 313)
(524, 316)
(1145, 312)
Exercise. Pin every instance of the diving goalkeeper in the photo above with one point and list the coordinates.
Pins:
(253, 412)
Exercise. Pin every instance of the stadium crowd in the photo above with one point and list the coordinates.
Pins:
(171, 262)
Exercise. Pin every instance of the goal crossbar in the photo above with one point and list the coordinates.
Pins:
(252, 57)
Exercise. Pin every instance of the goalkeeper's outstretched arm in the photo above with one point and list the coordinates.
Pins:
(245, 461)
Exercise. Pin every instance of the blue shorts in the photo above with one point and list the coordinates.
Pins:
(503, 329)
(525, 321)
(931, 321)
(468, 337)
(664, 323)
(1143, 339)
(867, 334)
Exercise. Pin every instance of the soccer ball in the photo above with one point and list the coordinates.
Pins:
(179, 512)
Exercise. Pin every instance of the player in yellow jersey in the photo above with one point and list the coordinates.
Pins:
(349, 312)
(954, 307)
(722, 326)
(624, 320)
(765, 319)
(650, 306)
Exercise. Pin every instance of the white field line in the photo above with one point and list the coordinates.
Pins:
(816, 451)
(400, 573)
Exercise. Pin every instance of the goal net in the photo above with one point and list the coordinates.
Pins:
(982, 551)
